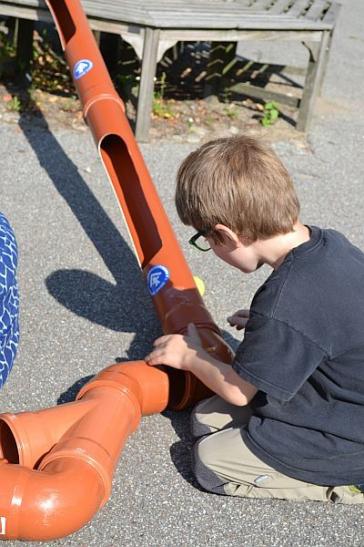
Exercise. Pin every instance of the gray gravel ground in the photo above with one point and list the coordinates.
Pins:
(84, 304)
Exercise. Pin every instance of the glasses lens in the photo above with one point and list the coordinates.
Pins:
(202, 243)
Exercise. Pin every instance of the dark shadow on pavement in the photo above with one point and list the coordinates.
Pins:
(70, 394)
(181, 451)
(123, 306)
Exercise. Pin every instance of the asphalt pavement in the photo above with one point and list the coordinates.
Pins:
(84, 306)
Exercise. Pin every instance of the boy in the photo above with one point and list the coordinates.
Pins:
(9, 299)
(287, 420)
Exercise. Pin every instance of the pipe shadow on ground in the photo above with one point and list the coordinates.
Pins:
(70, 394)
(72, 391)
(123, 306)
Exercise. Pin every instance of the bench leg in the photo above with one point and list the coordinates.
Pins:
(312, 82)
(325, 62)
(24, 47)
(146, 88)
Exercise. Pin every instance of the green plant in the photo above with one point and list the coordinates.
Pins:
(49, 69)
(7, 53)
(14, 105)
(270, 114)
(161, 85)
(70, 105)
(230, 112)
(162, 109)
(7, 49)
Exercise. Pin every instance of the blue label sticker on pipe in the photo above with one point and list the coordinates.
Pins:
(157, 278)
(81, 68)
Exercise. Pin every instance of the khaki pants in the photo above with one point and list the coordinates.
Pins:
(224, 465)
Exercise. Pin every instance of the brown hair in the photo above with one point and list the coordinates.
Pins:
(238, 182)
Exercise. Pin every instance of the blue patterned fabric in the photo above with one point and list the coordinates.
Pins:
(9, 299)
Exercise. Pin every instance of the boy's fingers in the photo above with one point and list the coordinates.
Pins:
(154, 359)
(239, 319)
(153, 363)
(235, 319)
(161, 340)
(154, 353)
(243, 313)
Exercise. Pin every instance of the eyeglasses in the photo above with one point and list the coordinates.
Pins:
(199, 241)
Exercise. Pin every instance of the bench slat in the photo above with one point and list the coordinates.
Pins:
(280, 6)
(298, 7)
(261, 4)
(98, 6)
(171, 6)
(203, 4)
(189, 17)
(332, 14)
(91, 8)
(220, 11)
(201, 19)
(109, 9)
(31, 3)
(317, 10)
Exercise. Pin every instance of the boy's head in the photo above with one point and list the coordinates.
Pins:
(237, 182)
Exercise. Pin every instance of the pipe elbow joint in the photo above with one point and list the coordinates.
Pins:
(148, 385)
(47, 505)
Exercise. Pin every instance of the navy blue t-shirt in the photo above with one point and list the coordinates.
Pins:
(304, 350)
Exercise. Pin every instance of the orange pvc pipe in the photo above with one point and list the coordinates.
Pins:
(177, 301)
(72, 477)
(56, 465)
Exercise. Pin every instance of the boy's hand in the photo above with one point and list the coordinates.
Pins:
(239, 319)
(175, 350)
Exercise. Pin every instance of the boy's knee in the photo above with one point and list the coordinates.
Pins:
(202, 457)
(199, 429)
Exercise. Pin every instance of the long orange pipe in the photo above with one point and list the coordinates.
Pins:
(57, 464)
(178, 302)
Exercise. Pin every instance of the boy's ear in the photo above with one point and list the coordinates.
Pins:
(228, 234)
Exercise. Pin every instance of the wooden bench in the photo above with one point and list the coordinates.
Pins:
(152, 26)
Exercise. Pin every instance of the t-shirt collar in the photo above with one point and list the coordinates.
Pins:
(312, 243)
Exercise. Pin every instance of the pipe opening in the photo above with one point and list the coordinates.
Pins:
(8, 446)
(65, 25)
(177, 390)
(127, 185)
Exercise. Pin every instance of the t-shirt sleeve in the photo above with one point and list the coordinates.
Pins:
(276, 358)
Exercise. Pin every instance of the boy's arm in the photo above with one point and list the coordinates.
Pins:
(186, 353)
(222, 379)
